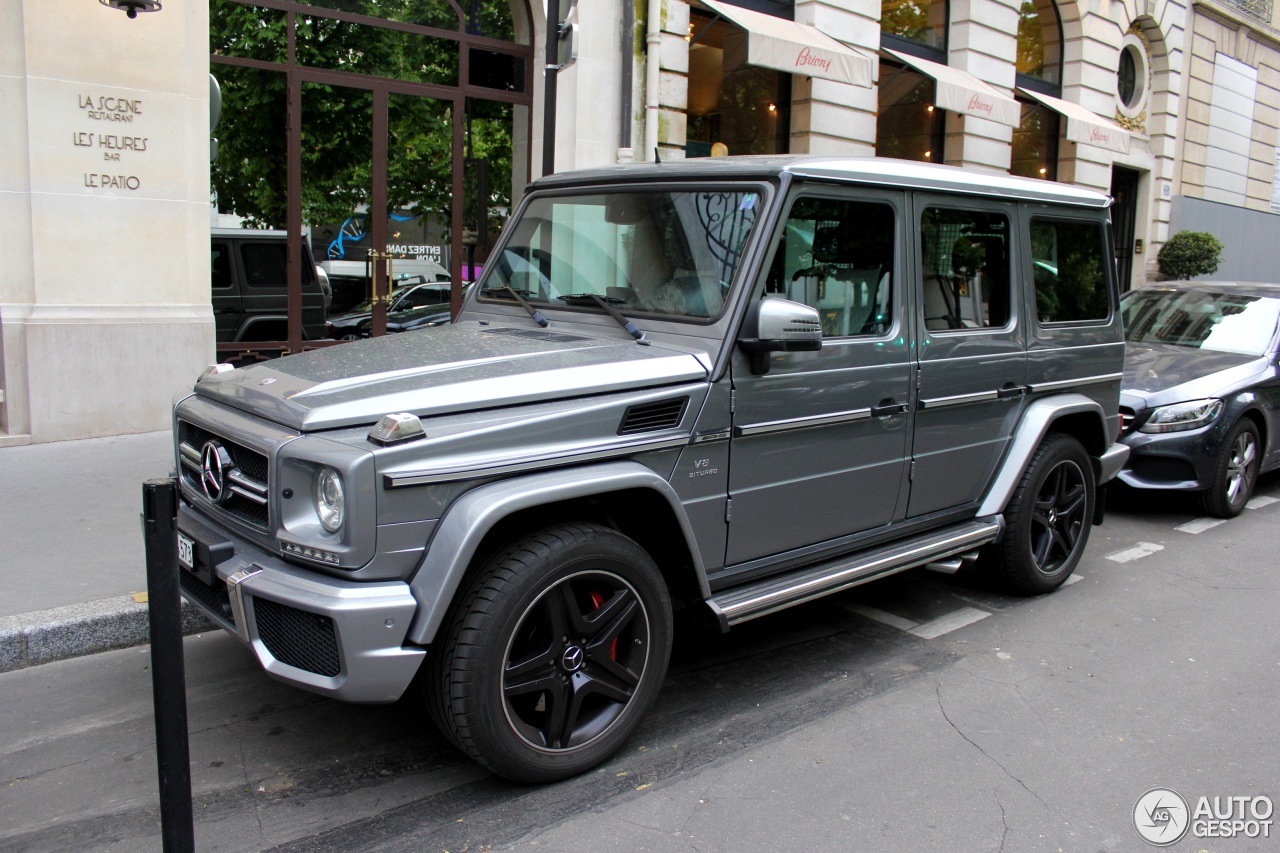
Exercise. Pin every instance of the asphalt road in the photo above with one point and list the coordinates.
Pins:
(919, 713)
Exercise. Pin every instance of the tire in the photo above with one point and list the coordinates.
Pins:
(1047, 519)
(1235, 472)
(552, 653)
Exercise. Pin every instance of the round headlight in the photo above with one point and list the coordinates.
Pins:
(331, 501)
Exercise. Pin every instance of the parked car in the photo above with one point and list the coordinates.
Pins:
(412, 293)
(419, 318)
(737, 385)
(1201, 389)
(350, 279)
(248, 287)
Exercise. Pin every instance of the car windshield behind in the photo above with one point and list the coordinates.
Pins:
(1222, 322)
(647, 252)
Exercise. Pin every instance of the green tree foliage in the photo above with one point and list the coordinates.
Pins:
(1188, 254)
(249, 175)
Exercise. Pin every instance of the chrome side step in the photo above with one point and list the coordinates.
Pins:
(778, 593)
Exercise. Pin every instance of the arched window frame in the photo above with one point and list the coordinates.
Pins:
(1049, 83)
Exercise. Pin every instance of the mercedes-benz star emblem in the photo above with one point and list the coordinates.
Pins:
(215, 466)
(571, 660)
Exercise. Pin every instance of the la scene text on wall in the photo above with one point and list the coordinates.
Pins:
(114, 146)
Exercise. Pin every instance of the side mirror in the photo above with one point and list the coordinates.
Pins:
(778, 325)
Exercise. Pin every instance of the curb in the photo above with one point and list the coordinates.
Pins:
(45, 636)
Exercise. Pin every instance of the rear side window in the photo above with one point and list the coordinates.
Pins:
(220, 265)
(264, 264)
(837, 256)
(1068, 265)
(966, 269)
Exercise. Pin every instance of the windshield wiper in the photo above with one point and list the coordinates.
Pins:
(518, 296)
(607, 303)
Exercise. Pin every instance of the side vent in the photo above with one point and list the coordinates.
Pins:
(651, 417)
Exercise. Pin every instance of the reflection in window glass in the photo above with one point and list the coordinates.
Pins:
(920, 21)
(909, 126)
(220, 265)
(1221, 322)
(359, 49)
(424, 13)
(663, 253)
(248, 32)
(1035, 143)
(744, 108)
(966, 269)
(837, 256)
(1067, 260)
(248, 175)
(1039, 41)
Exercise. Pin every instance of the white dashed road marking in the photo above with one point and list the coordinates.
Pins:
(1137, 552)
(950, 622)
(1261, 501)
(1200, 525)
(1069, 581)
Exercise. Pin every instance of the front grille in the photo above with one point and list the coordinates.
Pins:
(248, 480)
(215, 597)
(297, 637)
(650, 417)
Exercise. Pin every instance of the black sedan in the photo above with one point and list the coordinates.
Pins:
(1201, 391)
(405, 298)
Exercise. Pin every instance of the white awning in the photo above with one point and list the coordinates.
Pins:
(1084, 125)
(961, 92)
(793, 48)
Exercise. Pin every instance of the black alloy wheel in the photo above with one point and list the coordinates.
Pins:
(1048, 518)
(552, 653)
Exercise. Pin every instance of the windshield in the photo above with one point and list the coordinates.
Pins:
(646, 252)
(1222, 322)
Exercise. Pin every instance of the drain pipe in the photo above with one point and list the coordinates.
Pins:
(653, 42)
(625, 154)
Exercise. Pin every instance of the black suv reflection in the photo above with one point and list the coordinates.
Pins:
(409, 296)
(1200, 394)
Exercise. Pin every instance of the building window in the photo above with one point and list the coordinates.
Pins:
(909, 125)
(1039, 43)
(733, 108)
(1035, 142)
(1039, 69)
(915, 26)
(1132, 77)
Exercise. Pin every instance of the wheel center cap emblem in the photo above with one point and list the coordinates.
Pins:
(572, 659)
(215, 465)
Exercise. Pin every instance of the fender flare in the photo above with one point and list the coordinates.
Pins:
(1031, 430)
(465, 524)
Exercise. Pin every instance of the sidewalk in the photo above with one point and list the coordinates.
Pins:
(73, 572)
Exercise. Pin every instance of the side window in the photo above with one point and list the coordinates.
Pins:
(263, 264)
(966, 269)
(220, 265)
(1067, 263)
(838, 257)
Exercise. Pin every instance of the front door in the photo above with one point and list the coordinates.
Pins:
(819, 442)
(972, 354)
(1124, 218)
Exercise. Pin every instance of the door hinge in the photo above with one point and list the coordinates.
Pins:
(733, 402)
(911, 472)
(728, 510)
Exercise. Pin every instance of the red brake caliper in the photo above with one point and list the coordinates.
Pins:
(596, 600)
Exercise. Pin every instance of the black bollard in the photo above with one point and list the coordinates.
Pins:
(168, 676)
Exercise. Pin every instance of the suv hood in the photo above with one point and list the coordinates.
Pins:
(1159, 374)
(451, 369)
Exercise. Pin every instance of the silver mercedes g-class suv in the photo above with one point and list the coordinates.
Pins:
(737, 384)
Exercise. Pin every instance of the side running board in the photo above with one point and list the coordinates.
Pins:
(778, 593)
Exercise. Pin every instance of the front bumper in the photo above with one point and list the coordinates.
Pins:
(324, 634)
(1177, 461)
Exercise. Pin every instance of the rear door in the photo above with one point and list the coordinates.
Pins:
(971, 349)
(819, 442)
